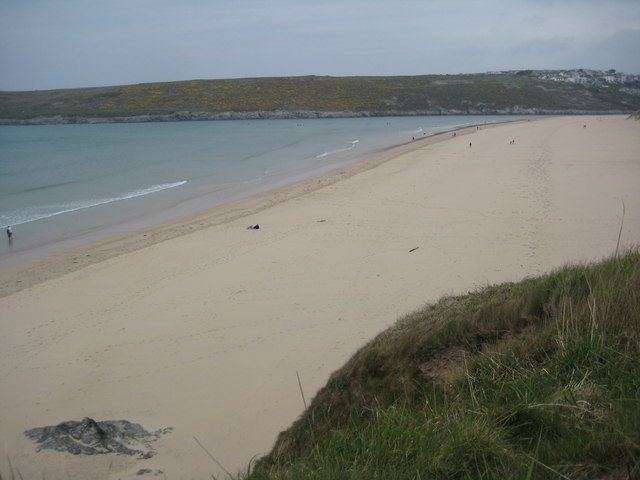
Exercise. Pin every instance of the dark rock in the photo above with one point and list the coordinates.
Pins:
(148, 471)
(89, 437)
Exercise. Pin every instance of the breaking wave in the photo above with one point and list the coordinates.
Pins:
(31, 214)
(351, 146)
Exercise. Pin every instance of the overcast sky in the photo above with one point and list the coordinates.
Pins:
(47, 44)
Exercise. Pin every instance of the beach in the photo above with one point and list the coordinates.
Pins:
(212, 329)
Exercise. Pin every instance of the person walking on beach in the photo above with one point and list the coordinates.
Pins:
(9, 232)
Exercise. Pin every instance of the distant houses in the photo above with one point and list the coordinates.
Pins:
(580, 76)
(578, 79)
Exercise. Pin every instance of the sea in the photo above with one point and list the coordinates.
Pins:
(65, 185)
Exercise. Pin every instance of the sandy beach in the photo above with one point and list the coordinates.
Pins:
(204, 326)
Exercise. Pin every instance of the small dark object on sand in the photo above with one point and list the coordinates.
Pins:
(253, 227)
(413, 249)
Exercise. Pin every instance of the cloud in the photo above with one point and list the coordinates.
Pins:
(70, 43)
(533, 21)
(619, 51)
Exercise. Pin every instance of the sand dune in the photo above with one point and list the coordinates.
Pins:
(203, 325)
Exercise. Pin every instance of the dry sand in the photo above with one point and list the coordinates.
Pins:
(202, 325)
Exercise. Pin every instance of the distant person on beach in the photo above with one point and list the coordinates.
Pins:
(9, 232)
(253, 227)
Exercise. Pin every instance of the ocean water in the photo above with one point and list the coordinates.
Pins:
(62, 185)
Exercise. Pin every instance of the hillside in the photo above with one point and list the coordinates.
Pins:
(298, 97)
(537, 379)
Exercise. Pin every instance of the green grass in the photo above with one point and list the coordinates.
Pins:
(537, 379)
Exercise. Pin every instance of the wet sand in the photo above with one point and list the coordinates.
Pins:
(203, 325)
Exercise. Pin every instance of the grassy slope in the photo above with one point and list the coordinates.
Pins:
(476, 93)
(538, 379)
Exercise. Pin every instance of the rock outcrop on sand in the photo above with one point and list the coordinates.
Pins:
(88, 437)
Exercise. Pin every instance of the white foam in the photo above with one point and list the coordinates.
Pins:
(33, 213)
(352, 145)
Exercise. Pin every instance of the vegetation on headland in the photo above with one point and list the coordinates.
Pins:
(296, 97)
(536, 379)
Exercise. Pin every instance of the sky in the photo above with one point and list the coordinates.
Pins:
(51, 44)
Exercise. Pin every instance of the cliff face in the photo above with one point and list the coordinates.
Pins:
(318, 97)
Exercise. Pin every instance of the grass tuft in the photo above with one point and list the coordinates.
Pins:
(536, 379)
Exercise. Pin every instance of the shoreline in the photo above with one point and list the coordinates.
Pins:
(211, 329)
(54, 234)
(47, 266)
(188, 116)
